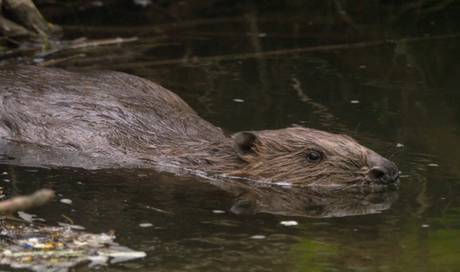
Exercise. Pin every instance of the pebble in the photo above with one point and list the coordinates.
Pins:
(289, 223)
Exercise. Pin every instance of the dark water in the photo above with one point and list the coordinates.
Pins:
(286, 63)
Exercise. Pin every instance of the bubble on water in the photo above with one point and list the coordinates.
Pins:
(238, 100)
(289, 223)
(258, 237)
(399, 145)
(433, 165)
(66, 201)
(97, 3)
(218, 211)
(354, 101)
(425, 226)
(145, 225)
(143, 3)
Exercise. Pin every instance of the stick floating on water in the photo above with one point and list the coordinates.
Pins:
(20, 203)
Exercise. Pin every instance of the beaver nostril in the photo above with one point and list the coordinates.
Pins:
(376, 173)
(381, 170)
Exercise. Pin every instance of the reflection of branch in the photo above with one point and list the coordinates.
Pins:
(344, 14)
(319, 109)
(102, 42)
(305, 98)
(273, 53)
(423, 7)
(422, 198)
(76, 44)
(21, 203)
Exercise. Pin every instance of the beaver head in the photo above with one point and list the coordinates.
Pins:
(302, 155)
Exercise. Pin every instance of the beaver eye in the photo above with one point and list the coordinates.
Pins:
(314, 156)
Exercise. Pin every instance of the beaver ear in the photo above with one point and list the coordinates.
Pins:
(243, 143)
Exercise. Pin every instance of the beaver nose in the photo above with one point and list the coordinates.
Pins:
(381, 170)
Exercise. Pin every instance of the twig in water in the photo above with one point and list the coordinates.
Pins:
(291, 51)
(20, 203)
(52, 62)
(95, 43)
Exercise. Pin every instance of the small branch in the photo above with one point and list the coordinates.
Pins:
(73, 45)
(344, 14)
(9, 28)
(20, 203)
(27, 15)
(102, 42)
(53, 62)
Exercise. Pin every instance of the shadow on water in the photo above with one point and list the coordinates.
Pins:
(383, 72)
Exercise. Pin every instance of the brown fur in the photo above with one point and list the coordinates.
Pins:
(111, 119)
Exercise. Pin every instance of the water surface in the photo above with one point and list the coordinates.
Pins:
(387, 75)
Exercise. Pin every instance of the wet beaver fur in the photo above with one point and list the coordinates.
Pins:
(110, 119)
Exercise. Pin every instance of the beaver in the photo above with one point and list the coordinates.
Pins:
(108, 119)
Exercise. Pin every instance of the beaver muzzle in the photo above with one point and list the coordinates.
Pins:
(381, 170)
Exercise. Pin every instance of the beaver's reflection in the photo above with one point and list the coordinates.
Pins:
(308, 201)
(135, 189)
